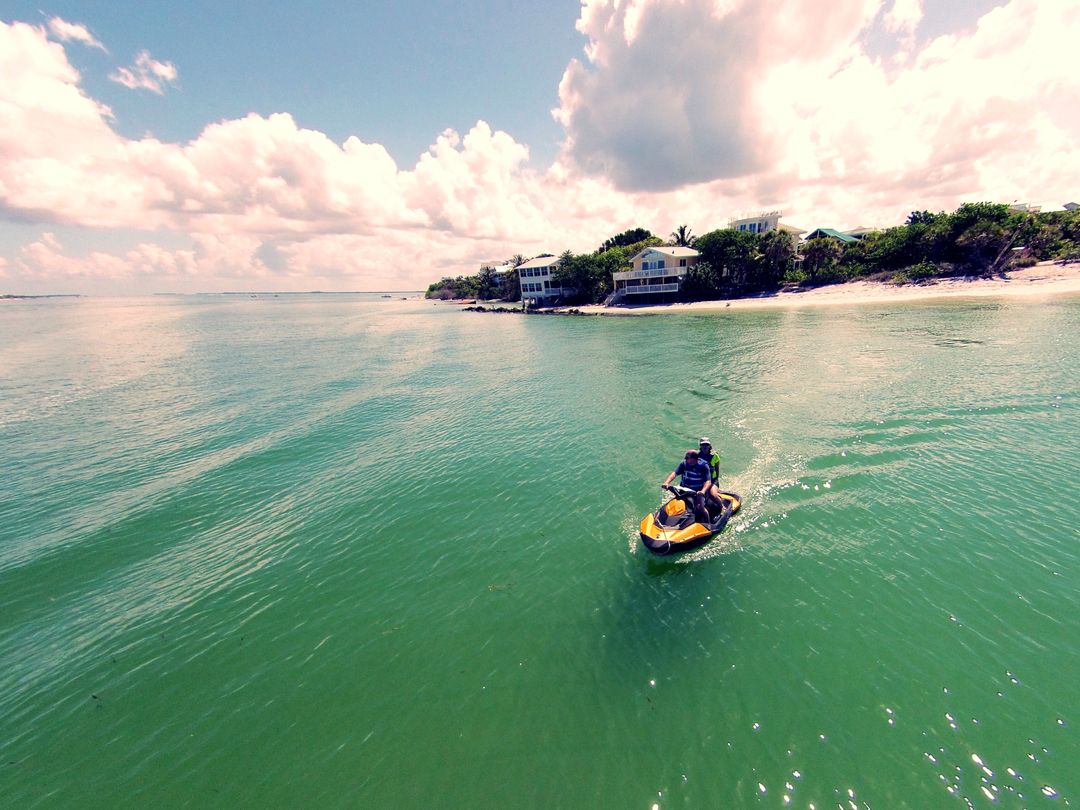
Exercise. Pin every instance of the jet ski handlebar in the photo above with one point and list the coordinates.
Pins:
(674, 489)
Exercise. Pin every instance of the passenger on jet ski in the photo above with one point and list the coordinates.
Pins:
(697, 476)
(706, 454)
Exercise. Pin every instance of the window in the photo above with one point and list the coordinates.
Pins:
(682, 262)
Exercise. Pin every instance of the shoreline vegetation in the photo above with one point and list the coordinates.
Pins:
(980, 249)
(1041, 280)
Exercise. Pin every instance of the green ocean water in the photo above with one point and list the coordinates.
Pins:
(345, 551)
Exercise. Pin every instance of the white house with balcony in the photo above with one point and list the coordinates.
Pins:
(763, 223)
(655, 270)
(500, 268)
(538, 287)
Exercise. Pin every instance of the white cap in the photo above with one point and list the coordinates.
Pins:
(705, 440)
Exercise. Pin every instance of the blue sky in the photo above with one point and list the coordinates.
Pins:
(158, 146)
(395, 73)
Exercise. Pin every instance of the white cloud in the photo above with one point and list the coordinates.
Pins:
(679, 101)
(73, 32)
(684, 111)
(904, 16)
(146, 73)
(770, 100)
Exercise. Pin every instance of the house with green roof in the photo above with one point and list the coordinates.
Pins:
(831, 233)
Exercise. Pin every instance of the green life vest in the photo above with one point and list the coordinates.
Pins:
(713, 460)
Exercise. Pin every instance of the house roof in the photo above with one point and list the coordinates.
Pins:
(831, 233)
(795, 230)
(542, 261)
(667, 250)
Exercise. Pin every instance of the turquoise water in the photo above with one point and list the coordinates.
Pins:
(344, 551)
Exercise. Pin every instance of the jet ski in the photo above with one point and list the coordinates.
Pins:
(674, 526)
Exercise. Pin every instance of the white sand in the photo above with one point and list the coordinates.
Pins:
(1042, 280)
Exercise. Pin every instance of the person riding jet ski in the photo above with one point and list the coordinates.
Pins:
(696, 475)
(674, 526)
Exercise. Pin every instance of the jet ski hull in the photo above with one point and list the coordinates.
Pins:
(674, 528)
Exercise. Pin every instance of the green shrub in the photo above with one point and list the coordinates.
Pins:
(916, 273)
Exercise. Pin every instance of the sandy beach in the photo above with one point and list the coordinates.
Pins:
(1042, 280)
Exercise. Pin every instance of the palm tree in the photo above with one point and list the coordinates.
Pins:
(680, 237)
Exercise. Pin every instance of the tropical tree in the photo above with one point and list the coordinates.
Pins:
(487, 283)
(509, 285)
(922, 218)
(776, 258)
(680, 237)
(820, 258)
(702, 281)
(589, 274)
(731, 256)
(625, 238)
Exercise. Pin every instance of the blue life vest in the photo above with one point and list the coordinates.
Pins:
(694, 475)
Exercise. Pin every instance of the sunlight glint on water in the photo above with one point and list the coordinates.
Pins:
(345, 551)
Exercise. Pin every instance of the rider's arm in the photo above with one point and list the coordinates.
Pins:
(708, 480)
(677, 471)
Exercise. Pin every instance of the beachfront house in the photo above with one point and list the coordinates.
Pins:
(861, 232)
(1024, 208)
(499, 268)
(831, 233)
(763, 223)
(538, 287)
(656, 273)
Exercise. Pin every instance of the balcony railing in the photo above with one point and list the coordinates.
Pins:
(550, 292)
(656, 272)
(650, 288)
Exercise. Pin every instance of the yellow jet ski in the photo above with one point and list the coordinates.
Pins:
(675, 527)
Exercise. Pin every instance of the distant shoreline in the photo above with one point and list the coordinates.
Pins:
(11, 297)
(1042, 280)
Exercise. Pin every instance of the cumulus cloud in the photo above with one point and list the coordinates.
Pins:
(680, 111)
(904, 16)
(672, 92)
(772, 97)
(73, 32)
(264, 179)
(221, 256)
(147, 73)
